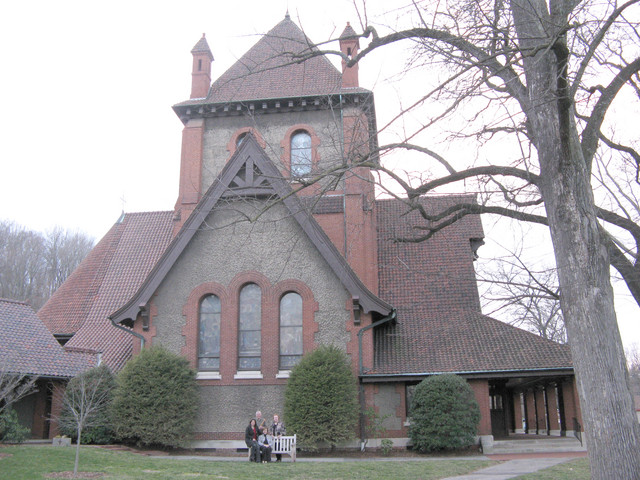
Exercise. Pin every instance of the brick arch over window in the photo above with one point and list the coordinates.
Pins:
(191, 311)
(286, 146)
(270, 326)
(232, 146)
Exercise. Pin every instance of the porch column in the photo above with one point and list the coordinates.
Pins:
(552, 411)
(517, 412)
(541, 415)
(38, 427)
(571, 412)
(56, 407)
(481, 392)
(532, 425)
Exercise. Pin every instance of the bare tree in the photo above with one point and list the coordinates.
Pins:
(542, 78)
(64, 250)
(524, 297)
(633, 360)
(14, 386)
(85, 402)
(33, 265)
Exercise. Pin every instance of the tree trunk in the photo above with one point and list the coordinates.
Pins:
(611, 427)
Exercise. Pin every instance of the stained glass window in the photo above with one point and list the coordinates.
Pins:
(209, 334)
(249, 343)
(291, 348)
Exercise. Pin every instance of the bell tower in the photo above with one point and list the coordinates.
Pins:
(192, 137)
(201, 70)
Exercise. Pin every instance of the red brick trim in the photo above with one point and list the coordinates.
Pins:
(231, 146)
(286, 147)
(229, 298)
(309, 306)
(191, 311)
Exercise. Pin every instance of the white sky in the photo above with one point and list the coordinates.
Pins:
(86, 91)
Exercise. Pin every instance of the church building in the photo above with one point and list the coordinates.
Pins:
(277, 244)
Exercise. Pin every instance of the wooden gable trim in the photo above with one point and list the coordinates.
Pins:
(250, 153)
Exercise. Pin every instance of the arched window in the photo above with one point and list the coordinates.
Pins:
(300, 154)
(209, 334)
(240, 139)
(249, 322)
(290, 330)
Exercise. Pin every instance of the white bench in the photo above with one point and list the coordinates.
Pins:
(285, 444)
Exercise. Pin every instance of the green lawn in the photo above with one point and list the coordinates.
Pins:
(35, 462)
(577, 469)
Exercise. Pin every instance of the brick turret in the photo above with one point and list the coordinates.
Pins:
(201, 71)
(349, 45)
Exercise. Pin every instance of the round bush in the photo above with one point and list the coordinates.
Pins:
(444, 414)
(155, 400)
(321, 399)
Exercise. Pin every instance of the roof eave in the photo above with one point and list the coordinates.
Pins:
(526, 372)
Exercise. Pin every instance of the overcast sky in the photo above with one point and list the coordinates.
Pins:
(86, 125)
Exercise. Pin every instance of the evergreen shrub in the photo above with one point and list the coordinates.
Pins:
(155, 399)
(11, 431)
(321, 399)
(97, 429)
(444, 414)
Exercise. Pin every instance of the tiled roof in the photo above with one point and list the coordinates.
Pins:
(268, 71)
(432, 284)
(27, 347)
(202, 46)
(348, 32)
(104, 281)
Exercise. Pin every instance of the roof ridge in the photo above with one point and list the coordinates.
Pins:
(17, 302)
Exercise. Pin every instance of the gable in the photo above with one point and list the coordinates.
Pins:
(250, 173)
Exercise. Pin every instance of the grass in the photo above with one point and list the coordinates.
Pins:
(577, 469)
(28, 462)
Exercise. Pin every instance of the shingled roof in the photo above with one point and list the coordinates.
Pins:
(440, 326)
(269, 70)
(27, 347)
(104, 281)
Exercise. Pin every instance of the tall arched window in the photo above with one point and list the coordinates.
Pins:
(209, 334)
(300, 154)
(249, 322)
(290, 330)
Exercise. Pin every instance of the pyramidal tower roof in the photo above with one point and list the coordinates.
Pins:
(270, 70)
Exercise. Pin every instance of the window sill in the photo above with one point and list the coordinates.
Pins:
(249, 374)
(283, 374)
(208, 376)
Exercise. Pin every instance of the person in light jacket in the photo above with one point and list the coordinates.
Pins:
(277, 430)
(265, 442)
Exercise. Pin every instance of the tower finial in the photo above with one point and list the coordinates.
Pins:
(286, 15)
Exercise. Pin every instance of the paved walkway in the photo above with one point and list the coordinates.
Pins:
(515, 465)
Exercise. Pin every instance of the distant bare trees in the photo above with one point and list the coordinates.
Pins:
(527, 298)
(33, 265)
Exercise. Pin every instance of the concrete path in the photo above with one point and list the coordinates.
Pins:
(511, 469)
